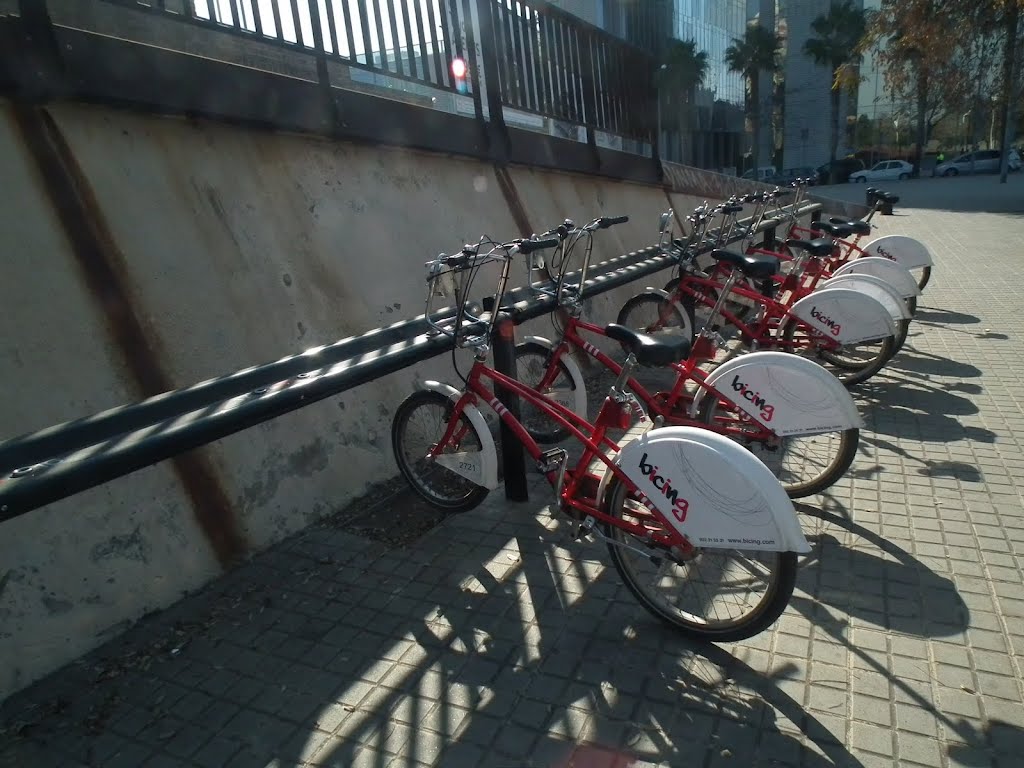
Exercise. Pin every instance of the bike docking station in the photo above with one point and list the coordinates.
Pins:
(55, 463)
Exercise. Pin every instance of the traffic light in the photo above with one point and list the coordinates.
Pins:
(459, 70)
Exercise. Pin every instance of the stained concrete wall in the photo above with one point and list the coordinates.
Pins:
(238, 248)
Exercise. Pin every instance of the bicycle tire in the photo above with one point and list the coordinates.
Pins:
(652, 313)
(469, 494)
(765, 613)
(926, 275)
(849, 374)
(833, 471)
(554, 433)
(741, 307)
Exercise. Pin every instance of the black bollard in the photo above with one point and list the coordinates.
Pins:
(503, 343)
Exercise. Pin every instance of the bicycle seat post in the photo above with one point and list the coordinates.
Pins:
(706, 331)
(618, 389)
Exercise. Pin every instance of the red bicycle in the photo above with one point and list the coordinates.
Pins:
(850, 332)
(699, 530)
(796, 417)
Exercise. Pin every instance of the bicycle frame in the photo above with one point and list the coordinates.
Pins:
(569, 487)
(774, 311)
(665, 407)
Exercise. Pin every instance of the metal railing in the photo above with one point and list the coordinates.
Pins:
(413, 40)
(537, 58)
(43, 467)
(551, 63)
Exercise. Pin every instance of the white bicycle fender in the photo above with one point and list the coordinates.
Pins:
(895, 275)
(887, 296)
(905, 251)
(577, 400)
(846, 315)
(789, 394)
(480, 467)
(657, 291)
(712, 490)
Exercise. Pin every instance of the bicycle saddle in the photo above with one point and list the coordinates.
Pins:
(752, 266)
(859, 227)
(821, 246)
(651, 351)
(836, 230)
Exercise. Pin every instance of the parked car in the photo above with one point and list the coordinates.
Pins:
(840, 169)
(980, 161)
(789, 175)
(763, 173)
(887, 170)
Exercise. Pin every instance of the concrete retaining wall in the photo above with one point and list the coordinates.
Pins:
(235, 248)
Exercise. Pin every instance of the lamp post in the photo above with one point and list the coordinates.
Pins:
(657, 88)
(963, 123)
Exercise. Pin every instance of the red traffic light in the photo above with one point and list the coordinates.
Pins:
(458, 68)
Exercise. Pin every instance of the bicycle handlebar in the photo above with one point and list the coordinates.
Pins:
(529, 246)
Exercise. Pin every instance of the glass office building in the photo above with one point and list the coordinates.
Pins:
(714, 136)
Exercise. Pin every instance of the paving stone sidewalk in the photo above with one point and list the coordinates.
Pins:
(496, 641)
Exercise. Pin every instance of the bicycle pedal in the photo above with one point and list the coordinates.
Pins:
(581, 528)
(551, 460)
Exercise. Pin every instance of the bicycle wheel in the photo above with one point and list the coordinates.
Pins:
(652, 313)
(852, 364)
(683, 594)
(902, 329)
(740, 306)
(419, 423)
(926, 275)
(532, 362)
(804, 464)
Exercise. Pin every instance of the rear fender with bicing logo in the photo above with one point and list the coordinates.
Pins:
(873, 286)
(711, 490)
(575, 401)
(845, 315)
(798, 396)
(480, 467)
(908, 252)
(897, 276)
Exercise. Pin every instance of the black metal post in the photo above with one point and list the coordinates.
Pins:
(589, 94)
(816, 216)
(498, 134)
(768, 242)
(322, 73)
(513, 458)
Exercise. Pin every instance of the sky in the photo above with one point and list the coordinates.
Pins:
(244, 10)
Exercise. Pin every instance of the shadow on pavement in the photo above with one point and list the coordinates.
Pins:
(489, 642)
(890, 587)
(942, 317)
(920, 395)
(920, 363)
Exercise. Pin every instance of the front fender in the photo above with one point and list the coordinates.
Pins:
(846, 315)
(798, 396)
(905, 251)
(577, 400)
(712, 490)
(657, 292)
(895, 275)
(479, 467)
(873, 286)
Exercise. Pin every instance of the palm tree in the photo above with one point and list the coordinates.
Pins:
(682, 71)
(755, 53)
(836, 45)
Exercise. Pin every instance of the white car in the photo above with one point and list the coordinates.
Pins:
(886, 170)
